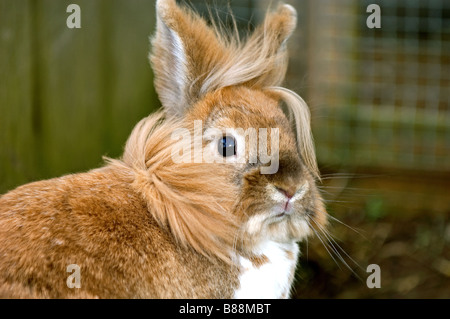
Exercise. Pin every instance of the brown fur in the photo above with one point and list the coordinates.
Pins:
(146, 227)
(97, 220)
(196, 213)
(258, 261)
(289, 254)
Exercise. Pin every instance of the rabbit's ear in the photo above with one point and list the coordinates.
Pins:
(272, 36)
(261, 61)
(184, 50)
(279, 25)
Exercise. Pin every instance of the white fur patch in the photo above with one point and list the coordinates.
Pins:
(271, 280)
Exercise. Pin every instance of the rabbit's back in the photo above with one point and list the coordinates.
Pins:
(96, 221)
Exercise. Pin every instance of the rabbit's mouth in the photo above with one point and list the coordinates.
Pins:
(284, 209)
(286, 212)
(284, 223)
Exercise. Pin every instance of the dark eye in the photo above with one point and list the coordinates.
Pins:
(227, 146)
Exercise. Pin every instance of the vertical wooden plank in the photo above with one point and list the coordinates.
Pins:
(131, 93)
(71, 87)
(17, 162)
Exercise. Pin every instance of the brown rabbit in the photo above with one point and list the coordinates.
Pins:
(164, 221)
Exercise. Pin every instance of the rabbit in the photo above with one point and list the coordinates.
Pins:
(149, 226)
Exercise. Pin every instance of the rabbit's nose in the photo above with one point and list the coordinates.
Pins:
(289, 192)
(294, 191)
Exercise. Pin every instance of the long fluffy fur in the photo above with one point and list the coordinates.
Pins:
(192, 200)
(260, 60)
(302, 120)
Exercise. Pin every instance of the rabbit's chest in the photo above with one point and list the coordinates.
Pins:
(270, 273)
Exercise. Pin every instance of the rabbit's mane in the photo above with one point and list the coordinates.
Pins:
(191, 200)
(301, 117)
(194, 201)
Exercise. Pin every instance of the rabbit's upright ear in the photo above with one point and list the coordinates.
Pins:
(270, 40)
(184, 50)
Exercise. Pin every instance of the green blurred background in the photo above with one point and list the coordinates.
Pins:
(380, 103)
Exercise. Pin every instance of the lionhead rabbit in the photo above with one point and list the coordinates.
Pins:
(164, 221)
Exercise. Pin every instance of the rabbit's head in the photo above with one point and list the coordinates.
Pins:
(229, 90)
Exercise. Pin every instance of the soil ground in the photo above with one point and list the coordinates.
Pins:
(398, 221)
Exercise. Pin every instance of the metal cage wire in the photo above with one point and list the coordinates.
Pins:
(383, 94)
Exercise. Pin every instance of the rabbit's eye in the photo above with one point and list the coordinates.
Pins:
(227, 146)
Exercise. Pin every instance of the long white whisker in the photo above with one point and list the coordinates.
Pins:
(346, 225)
(307, 249)
(323, 243)
(336, 247)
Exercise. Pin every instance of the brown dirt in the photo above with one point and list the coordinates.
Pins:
(398, 221)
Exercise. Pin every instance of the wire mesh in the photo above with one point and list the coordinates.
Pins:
(381, 96)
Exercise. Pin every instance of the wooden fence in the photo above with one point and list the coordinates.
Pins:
(69, 96)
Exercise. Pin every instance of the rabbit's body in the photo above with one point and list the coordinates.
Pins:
(102, 225)
(117, 243)
(162, 222)
(98, 222)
